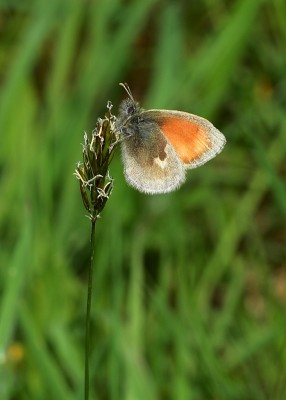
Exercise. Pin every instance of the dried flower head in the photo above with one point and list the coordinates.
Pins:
(93, 175)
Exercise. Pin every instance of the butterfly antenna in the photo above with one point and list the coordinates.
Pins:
(128, 91)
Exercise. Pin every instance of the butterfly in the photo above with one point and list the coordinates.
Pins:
(158, 146)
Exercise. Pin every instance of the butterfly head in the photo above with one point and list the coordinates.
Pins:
(129, 112)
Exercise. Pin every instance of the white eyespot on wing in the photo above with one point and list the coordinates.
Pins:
(163, 164)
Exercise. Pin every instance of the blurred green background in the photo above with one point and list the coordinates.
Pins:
(189, 287)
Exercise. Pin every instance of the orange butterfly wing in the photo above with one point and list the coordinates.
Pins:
(194, 139)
